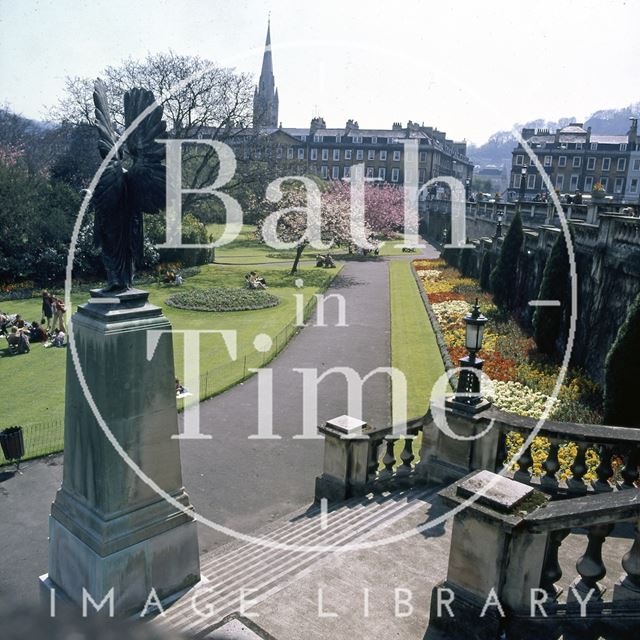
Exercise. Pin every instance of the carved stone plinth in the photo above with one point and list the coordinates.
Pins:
(108, 528)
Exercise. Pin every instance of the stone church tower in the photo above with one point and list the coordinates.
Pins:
(265, 97)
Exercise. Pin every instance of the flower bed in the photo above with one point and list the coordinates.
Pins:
(222, 299)
(524, 379)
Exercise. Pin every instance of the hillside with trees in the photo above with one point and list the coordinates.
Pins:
(497, 150)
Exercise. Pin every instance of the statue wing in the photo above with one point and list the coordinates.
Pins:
(106, 133)
(146, 177)
(110, 191)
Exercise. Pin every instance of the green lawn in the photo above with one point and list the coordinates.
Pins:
(37, 379)
(414, 349)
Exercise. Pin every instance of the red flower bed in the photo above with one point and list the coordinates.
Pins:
(444, 296)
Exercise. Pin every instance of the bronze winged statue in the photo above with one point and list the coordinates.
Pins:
(133, 183)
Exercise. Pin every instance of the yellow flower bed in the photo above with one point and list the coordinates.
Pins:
(540, 452)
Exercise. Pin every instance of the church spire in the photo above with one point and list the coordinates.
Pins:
(265, 101)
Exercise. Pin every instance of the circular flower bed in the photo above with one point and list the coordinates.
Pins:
(221, 299)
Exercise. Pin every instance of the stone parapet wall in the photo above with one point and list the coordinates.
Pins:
(607, 260)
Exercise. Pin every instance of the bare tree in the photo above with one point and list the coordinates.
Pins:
(200, 100)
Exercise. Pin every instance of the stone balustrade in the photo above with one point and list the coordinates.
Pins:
(359, 458)
(615, 451)
(507, 557)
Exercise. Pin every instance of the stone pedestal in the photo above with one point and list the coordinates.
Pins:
(445, 459)
(346, 451)
(108, 528)
(491, 559)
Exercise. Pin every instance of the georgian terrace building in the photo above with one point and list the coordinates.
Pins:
(331, 152)
(576, 159)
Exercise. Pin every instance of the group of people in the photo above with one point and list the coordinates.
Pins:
(50, 330)
(325, 261)
(172, 277)
(255, 281)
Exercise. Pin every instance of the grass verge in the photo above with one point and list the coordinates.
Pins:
(414, 349)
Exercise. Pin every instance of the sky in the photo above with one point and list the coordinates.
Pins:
(468, 68)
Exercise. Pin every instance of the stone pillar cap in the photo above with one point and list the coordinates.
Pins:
(346, 424)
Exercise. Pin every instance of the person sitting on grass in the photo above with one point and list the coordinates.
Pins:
(5, 323)
(254, 281)
(37, 332)
(18, 341)
(260, 281)
(181, 391)
(58, 339)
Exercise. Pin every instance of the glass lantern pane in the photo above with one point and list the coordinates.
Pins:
(480, 335)
(472, 333)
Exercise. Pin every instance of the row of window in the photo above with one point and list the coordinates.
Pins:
(576, 162)
(346, 173)
(348, 139)
(578, 146)
(347, 154)
(535, 182)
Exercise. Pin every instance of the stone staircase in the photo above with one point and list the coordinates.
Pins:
(289, 551)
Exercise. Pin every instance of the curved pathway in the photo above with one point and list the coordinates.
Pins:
(244, 482)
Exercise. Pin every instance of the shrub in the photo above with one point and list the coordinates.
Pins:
(504, 276)
(485, 272)
(193, 232)
(622, 372)
(548, 321)
(222, 299)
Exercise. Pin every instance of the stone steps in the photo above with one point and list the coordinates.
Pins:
(284, 554)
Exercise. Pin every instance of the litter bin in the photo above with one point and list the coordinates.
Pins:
(12, 443)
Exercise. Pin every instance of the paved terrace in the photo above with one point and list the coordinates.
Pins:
(355, 590)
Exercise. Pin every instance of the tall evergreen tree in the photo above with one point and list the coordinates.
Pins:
(505, 273)
(485, 272)
(548, 321)
(622, 372)
(466, 261)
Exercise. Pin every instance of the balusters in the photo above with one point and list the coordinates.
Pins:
(501, 454)
(524, 462)
(578, 469)
(590, 566)
(551, 570)
(630, 471)
(389, 458)
(549, 482)
(406, 456)
(374, 459)
(604, 470)
(631, 563)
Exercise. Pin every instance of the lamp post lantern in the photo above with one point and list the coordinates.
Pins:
(499, 225)
(469, 381)
(523, 182)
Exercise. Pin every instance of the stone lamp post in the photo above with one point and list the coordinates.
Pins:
(498, 233)
(468, 390)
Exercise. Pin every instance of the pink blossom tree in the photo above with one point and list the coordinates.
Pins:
(383, 207)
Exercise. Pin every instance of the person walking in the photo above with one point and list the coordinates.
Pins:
(47, 308)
